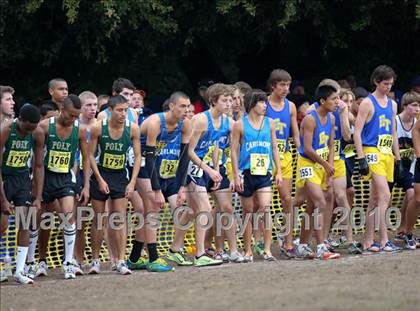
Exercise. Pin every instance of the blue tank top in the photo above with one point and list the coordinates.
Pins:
(168, 148)
(208, 138)
(224, 142)
(378, 131)
(338, 137)
(256, 149)
(320, 138)
(130, 115)
(282, 122)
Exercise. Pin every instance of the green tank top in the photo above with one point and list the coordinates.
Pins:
(112, 152)
(61, 153)
(17, 152)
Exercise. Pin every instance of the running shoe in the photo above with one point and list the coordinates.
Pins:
(21, 278)
(354, 249)
(205, 260)
(95, 267)
(390, 248)
(268, 257)
(140, 264)
(409, 242)
(374, 248)
(78, 269)
(324, 254)
(259, 248)
(42, 269)
(291, 253)
(178, 258)
(221, 256)
(3, 276)
(122, 268)
(248, 258)
(236, 257)
(69, 271)
(159, 265)
(303, 251)
(30, 269)
(342, 241)
(210, 252)
(400, 237)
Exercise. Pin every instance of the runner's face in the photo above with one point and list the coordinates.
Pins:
(28, 127)
(180, 108)
(69, 115)
(7, 104)
(384, 86)
(236, 103)
(223, 103)
(89, 108)
(281, 89)
(348, 99)
(119, 112)
(413, 109)
(127, 93)
(137, 101)
(331, 102)
(190, 111)
(59, 92)
(260, 107)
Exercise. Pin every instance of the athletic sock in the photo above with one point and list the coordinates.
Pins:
(69, 239)
(33, 240)
(152, 249)
(22, 251)
(136, 251)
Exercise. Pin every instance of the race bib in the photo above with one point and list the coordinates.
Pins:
(385, 143)
(306, 172)
(323, 153)
(168, 168)
(59, 161)
(113, 161)
(194, 170)
(372, 158)
(17, 159)
(349, 151)
(337, 148)
(259, 164)
(281, 147)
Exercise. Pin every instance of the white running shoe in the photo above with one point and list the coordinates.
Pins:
(122, 268)
(236, 257)
(95, 267)
(69, 271)
(30, 270)
(42, 269)
(3, 276)
(78, 269)
(21, 278)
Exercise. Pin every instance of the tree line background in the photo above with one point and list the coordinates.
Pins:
(164, 45)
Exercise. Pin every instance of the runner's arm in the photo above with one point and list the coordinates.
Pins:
(275, 151)
(331, 141)
(153, 131)
(395, 144)
(181, 172)
(5, 132)
(135, 138)
(39, 139)
(361, 118)
(294, 125)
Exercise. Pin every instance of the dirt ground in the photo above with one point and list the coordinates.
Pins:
(366, 282)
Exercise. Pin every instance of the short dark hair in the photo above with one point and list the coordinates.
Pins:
(45, 108)
(115, 100)
(252, 97)
(120, 83)
(54, 82)
(360, 92)
(29, 113)
(72, 100)
(323, 92)
(277, 75)
(177, 95)
(382, 73)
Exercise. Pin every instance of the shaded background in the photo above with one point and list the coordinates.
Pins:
(164, 46)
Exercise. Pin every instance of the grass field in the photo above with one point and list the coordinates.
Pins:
(365, 282)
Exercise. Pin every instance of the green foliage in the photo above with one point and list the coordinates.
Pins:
(163, 44)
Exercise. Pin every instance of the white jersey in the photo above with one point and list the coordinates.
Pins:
(405, 142)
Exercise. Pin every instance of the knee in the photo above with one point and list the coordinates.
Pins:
(384, 197)
(340, 197)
